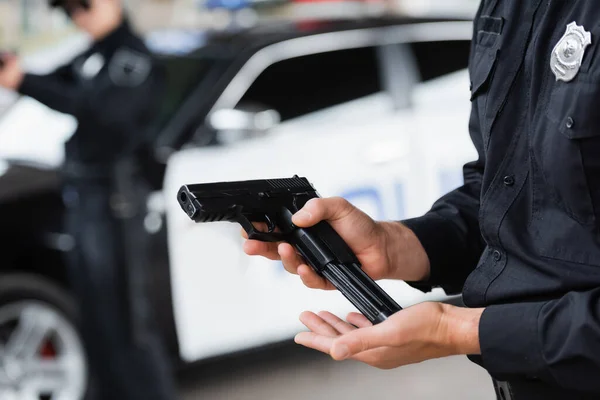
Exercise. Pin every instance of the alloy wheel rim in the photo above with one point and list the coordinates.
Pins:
(41, 354)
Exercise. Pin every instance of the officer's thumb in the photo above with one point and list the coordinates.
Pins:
(320, 209)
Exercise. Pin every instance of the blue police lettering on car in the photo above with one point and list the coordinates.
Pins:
(369, 198)
(400, 192)
(569, 51)
(129, 68)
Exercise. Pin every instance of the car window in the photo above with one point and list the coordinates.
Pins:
(306, 84)
(435, 59)
(303, 85)
(181, 78)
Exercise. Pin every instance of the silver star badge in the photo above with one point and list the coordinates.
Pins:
(568, 53)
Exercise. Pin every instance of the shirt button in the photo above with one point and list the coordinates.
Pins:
(570, 122)
(497, 255)
(509, 180)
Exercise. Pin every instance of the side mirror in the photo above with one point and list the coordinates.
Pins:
(237, 124)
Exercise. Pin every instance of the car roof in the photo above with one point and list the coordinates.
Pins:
(230, 42)
(231, 47)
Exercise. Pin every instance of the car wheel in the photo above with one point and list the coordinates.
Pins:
(41, 352)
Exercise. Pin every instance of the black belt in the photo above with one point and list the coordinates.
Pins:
(83, 171)
(117, 181)
(529, 389)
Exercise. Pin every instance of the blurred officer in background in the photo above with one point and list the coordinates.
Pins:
(112, 89)
(520, 238)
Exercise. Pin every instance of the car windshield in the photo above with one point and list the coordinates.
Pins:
(183, 75)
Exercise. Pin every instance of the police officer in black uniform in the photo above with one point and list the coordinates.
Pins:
(520, 239)
(112, 89)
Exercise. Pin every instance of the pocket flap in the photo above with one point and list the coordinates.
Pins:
(573, 106)
(481, 70)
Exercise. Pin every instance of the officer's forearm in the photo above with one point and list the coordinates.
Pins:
(462, 326)
(406, 255)
(451, 241)
(47, 90)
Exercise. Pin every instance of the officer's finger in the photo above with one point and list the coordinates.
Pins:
(290, 259)
(360, 340)
(358, 320)
(319, 209)
(259, 226)
(314, 341)
(339, 324)
(311, 279)
(317, 324)
(257, 248)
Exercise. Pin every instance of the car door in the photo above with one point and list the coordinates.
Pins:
(351, 136)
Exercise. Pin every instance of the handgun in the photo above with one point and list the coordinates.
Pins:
(274, 202)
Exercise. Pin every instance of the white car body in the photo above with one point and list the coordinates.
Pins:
(393, 165)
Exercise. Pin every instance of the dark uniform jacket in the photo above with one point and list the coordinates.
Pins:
(521, 237)
(110, 89)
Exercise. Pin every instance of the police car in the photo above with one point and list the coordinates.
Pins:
(374, 110)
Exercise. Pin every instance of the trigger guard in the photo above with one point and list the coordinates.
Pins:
(255, 234)
(265, 237)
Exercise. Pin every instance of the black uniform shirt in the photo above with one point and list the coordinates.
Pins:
(110, 89)
(522, 235)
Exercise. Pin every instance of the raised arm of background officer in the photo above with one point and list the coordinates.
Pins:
(57, 90)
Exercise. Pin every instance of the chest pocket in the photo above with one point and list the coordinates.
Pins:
(482, 67)
(567, 146)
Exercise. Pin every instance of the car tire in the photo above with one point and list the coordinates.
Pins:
(19, 292)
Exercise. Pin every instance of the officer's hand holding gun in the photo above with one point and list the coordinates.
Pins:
(335, 238)
(11, 73)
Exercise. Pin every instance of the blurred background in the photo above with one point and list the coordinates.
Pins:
(369, 99)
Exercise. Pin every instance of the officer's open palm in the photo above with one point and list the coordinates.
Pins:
(365, 237)
(11, 74)
(415, 334)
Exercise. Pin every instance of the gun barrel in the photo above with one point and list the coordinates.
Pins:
(186, 201)
(361, 291)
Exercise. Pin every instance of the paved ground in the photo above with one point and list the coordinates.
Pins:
(291, 373)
